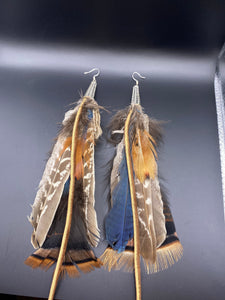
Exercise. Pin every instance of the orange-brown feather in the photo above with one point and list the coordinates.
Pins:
(144, 155)
(80, 146)
(79, 166)
(67, 144)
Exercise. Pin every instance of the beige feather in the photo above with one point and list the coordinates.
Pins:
(50, 188)
(93, 133)
(147, 234)
(158, 215)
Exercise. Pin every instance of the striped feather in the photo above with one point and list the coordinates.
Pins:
(158, 212)
(50, 190)
(89, 187)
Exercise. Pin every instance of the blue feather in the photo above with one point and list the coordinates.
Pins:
(66, 187)
(119, 221)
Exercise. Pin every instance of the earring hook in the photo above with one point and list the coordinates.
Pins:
(138, 75)
(92, 70)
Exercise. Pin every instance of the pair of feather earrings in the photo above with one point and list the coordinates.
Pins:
(139, 223)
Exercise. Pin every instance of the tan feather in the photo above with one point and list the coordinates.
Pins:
(166, 256)
(146, 224)
(150, 206)
(144, 156)
(89, 186)
(114, 260)
(158, 214)
(51, 185)
(49, 194)
(151, 220)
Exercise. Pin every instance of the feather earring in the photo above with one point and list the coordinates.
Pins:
(139, 223)
(63, 214)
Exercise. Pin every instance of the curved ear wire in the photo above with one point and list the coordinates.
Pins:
(139, 223)
(63, 214)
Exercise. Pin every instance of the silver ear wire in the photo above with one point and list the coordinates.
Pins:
(92, 70)
(92, 87)
(135, 99)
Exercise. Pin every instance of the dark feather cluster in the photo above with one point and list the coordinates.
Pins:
(77, 238)
(118, 121)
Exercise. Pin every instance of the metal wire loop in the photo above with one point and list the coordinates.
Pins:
(138, 75)
(92, 70)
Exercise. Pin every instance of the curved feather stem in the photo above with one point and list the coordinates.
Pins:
(70, 206)
(137, 268)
